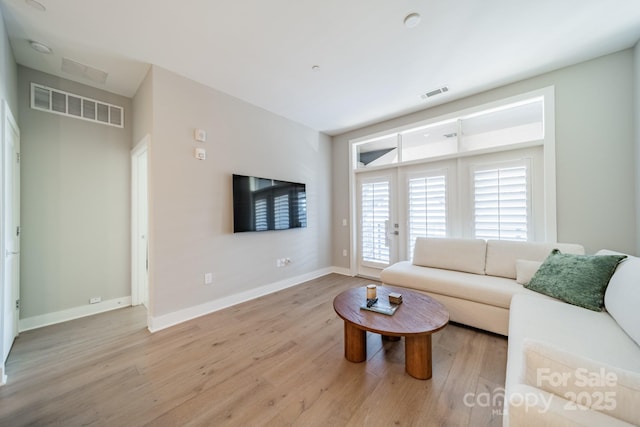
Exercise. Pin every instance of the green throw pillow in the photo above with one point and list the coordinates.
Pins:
(577, 279)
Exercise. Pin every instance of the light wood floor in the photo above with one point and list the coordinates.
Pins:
(274, 361)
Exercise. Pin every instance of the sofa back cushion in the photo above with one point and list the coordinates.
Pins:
(622, 297)
(503, 254)
(467, 255)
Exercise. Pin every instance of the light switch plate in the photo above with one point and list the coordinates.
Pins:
(200, 135)
(200, 153)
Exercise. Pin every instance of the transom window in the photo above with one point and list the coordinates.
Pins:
(501, 126)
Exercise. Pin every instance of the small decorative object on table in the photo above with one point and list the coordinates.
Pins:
(374, 304)
(395, 298)
(371, 292)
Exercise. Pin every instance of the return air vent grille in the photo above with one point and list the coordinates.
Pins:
(55, 101)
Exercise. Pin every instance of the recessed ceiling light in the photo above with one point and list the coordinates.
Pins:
(40, 47)
(315, 68)
(36, 5)
(412, 20)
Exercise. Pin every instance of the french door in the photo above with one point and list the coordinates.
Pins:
(378, 227)
(396, 206)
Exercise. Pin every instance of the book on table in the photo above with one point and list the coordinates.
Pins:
(381, 307)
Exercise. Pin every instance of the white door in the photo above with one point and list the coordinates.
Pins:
(11, 230)
(139, 226)
(378, 227)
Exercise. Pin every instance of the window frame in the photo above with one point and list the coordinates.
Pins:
(545, 229)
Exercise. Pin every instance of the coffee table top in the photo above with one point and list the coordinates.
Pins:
(418, 314)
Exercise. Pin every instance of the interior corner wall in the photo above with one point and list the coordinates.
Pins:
(142, 104)
(75, 203)
(595, 152)
(8, 71)
(191, 212)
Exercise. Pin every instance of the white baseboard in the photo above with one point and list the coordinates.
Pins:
(3, 376)
(162, 322)
(343, 271)
(72, 313)
(167, 320)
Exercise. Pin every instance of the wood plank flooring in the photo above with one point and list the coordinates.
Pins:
(275, 361)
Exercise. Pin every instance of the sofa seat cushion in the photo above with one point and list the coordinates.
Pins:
(582, 381)
(546, 409)
(490, 290)
(590, 334)
(502, 255)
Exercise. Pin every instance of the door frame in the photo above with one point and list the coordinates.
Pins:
(137, 285)
(8, 124)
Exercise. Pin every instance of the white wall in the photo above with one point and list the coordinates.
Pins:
(595, 153)
(191, 203)
(75, 206)
(636, 119)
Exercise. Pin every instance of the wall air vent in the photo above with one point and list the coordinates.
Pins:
(435, 92)
(55, 101)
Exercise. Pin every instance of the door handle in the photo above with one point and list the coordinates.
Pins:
(12, 253)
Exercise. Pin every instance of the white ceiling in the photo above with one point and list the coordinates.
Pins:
(371, 67)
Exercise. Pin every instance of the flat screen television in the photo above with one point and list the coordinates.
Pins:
(262, 204)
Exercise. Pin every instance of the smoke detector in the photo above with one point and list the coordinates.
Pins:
(40, 47)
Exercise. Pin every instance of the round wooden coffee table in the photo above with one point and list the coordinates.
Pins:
(416, 319)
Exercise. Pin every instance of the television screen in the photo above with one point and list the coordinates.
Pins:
(261, 204)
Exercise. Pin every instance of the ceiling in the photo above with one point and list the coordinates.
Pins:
(371, 67)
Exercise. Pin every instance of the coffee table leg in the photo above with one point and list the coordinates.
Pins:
(355, 343)
(417, 351)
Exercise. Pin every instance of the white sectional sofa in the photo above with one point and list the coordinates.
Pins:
(567, 365)
(475, 279)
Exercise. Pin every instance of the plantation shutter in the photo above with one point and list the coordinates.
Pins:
(375, 215)
(427, 197)
(502, 202)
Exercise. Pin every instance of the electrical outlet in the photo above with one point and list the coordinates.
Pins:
(344, 252)
(283, 262)
(95, 300)
(208, 278)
